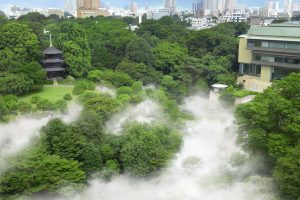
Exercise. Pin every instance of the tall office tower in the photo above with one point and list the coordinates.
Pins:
(170, 4)
(69, 6)
(88, 8)
(221, 6)
(88, 4)
(212, 5)
(133, 7)
(288, 6)
(198, 8)
(230, 5)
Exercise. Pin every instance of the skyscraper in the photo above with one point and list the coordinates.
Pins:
(88, 8)
(69, 6)
(170, 4)
(288, 6)
(133, 7)
(230, 5)
(198, 8)
(88, 4)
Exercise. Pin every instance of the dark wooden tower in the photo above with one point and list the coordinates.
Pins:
(54, 63)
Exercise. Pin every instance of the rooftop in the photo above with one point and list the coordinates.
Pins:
(52, 50)
(289, 31)
(275, 31)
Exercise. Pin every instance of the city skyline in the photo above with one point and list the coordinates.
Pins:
(116, 3)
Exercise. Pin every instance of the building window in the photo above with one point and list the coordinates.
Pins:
(292, 46)
(277, 45)
(279, 73)
(250, 69)
(265, 44)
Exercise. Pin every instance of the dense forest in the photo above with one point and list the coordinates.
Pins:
(164, 54)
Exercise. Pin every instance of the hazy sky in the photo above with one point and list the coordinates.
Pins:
(4, 4)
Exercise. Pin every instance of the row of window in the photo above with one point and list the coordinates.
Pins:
(274, 59)
(255, 70)
(250, 69)
(275, 45)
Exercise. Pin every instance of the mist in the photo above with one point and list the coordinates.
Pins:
(147, 111)
(17, 134)
(203, 168)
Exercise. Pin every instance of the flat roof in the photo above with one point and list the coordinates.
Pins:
(257, 37)
(289, 31)
(219, 86)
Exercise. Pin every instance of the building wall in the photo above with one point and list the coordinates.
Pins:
(266, 73)
(253, 83)
(245, 56)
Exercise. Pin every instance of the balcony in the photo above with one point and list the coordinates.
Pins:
(274, 64)
(277, 51)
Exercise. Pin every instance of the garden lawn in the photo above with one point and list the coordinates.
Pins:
(243, 93)
(50, 92)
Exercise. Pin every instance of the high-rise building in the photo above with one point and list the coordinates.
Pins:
(230, 5)
(170, 4)
(133, 7)
(88, 4)
(69, 7)
(288, 7)
(198, 8)
(88, 8)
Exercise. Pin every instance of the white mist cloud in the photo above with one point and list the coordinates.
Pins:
(17, 134)
(147, 111)
(106, 90)
(200, 171)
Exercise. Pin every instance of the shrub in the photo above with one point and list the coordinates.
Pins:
(68, 97)
(61, 105)
(82, 86)
(49, 82)
(78, 89)
(35, 99)
(68, 81)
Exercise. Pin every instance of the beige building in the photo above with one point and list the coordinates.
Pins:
(268, 53)
(90, 8)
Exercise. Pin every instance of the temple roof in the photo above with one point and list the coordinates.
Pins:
(52, 50)
(55, 60)
(55, 69)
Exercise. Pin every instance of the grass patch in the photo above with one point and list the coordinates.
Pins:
(243, 93)
(50, 92)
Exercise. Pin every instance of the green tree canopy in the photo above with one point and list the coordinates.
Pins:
(21, 41)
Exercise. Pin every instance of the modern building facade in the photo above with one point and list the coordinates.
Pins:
(90, 8)
(133, 7)
(69, 6)
(170, 4)
(159, 13)
(268, 53)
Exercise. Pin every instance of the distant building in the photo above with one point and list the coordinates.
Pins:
(268, 53)
(235, 17)
(69, 7)
(170, 4)
(159, 13)
(55, 11)
(133, 7)
(200, 23)
(288, 7)
(198, 8)
(90, 8)
(19, 11)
